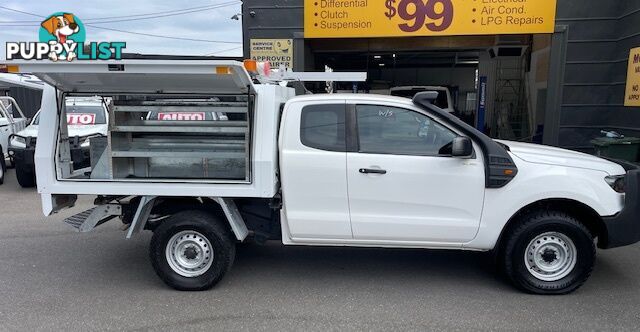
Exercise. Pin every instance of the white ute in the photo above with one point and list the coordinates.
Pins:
(321, 170)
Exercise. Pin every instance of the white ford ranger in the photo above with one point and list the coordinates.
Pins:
(320, 170)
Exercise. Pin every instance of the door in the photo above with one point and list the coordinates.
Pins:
(404, 185)
(313, 166)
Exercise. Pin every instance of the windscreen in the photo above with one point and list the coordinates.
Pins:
(85, 115)
(82, 115)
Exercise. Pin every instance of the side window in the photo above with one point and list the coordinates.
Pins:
(323, 127)
(390, 130)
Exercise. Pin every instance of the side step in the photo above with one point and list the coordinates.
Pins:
(87, 220)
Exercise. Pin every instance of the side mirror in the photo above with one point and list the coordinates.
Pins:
(462, 147)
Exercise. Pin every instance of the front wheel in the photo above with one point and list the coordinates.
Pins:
(192, 250)
(549, 252)
(11, 164)
(25, 175)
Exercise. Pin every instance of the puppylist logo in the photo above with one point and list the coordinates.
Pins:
(62, 37)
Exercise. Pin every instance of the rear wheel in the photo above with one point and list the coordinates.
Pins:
(25, 175)
(548, 253)
(192, 250)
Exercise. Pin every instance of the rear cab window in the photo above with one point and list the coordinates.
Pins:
(323, 127)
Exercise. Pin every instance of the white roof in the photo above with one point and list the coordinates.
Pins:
(353, 97)
(418, 87)
(20, 80)
(84, 101)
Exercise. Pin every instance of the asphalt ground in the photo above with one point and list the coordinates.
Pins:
(52, 278)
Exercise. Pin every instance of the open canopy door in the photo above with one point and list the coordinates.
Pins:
(144, 76)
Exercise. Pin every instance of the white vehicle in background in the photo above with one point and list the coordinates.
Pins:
(12, 120)
(320, 170)
(86, 118)
(20, 80)
(444, 99)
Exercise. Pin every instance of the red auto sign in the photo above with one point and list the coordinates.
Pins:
(81, 119)
(181, 116)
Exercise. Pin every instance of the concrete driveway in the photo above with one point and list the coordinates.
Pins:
(52, 278)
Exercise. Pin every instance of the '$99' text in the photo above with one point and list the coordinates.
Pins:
(435, 15)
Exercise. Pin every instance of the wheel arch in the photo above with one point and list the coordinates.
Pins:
(220, 207)
(581, 211)
(166, 205)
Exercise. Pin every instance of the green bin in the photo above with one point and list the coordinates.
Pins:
(625, 148)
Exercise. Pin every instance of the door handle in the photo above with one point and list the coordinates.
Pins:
(372, 171)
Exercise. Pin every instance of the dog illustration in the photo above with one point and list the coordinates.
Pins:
(61, 27)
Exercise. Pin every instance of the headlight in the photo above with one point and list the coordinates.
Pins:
(616, 182)
(85, 143)
(18, 142)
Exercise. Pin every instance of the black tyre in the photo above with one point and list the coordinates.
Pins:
(192, 250)
(549, 252)
(26, 176)
(3, 167)
(11, 164)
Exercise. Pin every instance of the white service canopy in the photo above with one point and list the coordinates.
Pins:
(144, 76)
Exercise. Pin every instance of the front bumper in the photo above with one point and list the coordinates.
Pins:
(624, 228)
(25, 156)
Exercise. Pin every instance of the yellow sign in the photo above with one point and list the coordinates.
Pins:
(407, 18)
(632, 95)
(277, 51)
